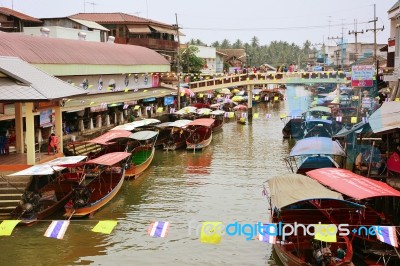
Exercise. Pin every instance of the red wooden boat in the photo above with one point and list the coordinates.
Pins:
(40, 201)
(289, 199)
(176, 135)
(199, 133)
(110, 172)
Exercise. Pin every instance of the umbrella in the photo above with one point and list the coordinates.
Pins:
(237, 98)
(187, 91)
(240, 107)
(204, 111)
(235, 90)
(225, 91)
(186, 110)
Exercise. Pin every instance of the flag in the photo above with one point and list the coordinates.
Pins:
(136, 107)
(387, 234)
(7, 226)
(244, 115)
(325, 232)
(172, 110)
(158, 229)
(324, 117)
(339, 119)
(104, 227)
(268, 233)
(231, 114)
(209, 96)
(353, 119)
(266, 98)
(276, 98)
(365, 120)
(211, 232)
(255, 115)
(268, 116)
(57, 229)
(160, 110)
(126, 106)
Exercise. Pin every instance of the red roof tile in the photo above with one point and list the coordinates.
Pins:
(10, 12)
(117, 18)
(44, 50)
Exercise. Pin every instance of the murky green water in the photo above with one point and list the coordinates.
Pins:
(222, 183)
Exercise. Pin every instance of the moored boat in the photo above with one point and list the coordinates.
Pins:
(218, 115)
(142, 148)
(199, 133)
(303, 247)
(40, 201)
(109, 175)
(176, 137)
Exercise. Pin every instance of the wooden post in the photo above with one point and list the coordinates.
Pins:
(30, 134)
(19, 128)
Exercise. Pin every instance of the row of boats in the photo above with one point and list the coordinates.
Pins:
(83, 184)
(320, 192)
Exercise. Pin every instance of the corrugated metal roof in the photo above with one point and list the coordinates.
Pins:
(89, 24)
(9, 12)
(42, 50)
(37, 85)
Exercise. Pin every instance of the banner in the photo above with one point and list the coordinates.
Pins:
(362, 76)
(46, 118)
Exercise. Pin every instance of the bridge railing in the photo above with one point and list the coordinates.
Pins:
(275, 77)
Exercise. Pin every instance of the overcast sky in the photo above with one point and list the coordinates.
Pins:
(214, 20)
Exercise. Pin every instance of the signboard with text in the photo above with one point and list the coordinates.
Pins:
(362, 76)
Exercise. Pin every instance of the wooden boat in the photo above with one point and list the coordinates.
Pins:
(87, 199)
(315, 152)
(357, 188)
(301, 248)
(218, 115)
(199, 133)
(292, 124)
(176, 137)
(111, 141)
(142, 148)
(40, 201)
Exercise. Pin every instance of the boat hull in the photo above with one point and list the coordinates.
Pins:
(141, 160)
(102, 195)
(200, 145)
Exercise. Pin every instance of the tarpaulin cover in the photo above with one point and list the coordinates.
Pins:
(287, 189)
(351, 184)
(110, 158)
(317, 146)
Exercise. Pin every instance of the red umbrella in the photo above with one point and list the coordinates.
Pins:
(240, 107)
(187, 91)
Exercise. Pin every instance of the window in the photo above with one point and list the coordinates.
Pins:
(352, 56)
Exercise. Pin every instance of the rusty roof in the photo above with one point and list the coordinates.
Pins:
(44, 50)
(10, 12)
(117, 18)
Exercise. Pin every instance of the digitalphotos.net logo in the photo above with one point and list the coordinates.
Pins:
(251, 231)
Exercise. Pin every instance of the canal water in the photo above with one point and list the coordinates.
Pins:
(222, 183)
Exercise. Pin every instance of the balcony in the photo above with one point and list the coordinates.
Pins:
(154, 44)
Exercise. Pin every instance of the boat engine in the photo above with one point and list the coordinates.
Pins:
(30, 201)
(80, 196)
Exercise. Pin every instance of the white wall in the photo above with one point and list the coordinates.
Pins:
(64, 33)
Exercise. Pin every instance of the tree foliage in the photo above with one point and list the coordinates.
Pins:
(189, 61)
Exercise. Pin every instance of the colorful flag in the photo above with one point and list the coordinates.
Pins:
(158, 229)
(255, 115)
(268, 116)
(104, 227)
(57, 229)
(268, 233)
(339, 119)
(387, 234)
(325, 232)
(266, 98)
(160, 110)
(353, 119)
(136, 107)
(365, 120)
(211, 232)
(172, 110)
(231, 114)
(7, 226)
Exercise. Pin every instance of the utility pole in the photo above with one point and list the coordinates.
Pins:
(355, 32)
(178, 59)
(337, 54)
(375, 30)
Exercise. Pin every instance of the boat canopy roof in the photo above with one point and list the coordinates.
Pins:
(110, 135)
(207, 122)
(186, 110)
(139, 123)
(217, 112)
(110, 158)
(288, 188)
(144, 134)
(317, 146)
(320, 109)
(50, 167)
(357, 128)
(204, 111)
(351, 184)
(180, 123)
(318, 120)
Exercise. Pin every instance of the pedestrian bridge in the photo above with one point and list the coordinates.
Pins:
(261, 79)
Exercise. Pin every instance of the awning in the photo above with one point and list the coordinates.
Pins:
(90, 24)
(99, 108)
(143, 135)
(206, 122)
(166, 30)
(351, 184)
(139, 123)
(386, 118)
(110, 135)
(317, 146)
(50, 167)
(110, 158)
(287, 189)
(180, 123)
(344, 131)
(139, 29)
